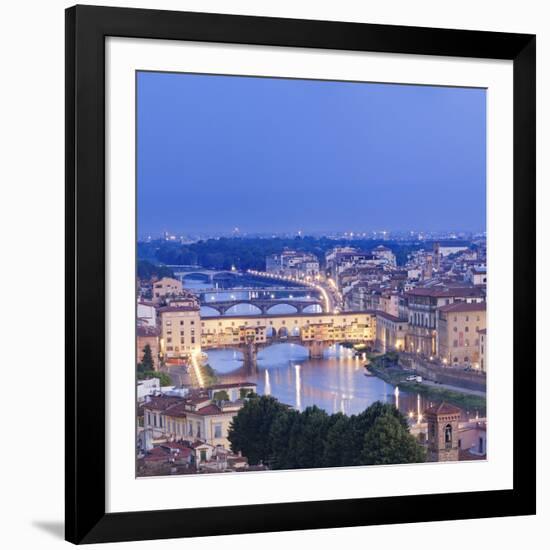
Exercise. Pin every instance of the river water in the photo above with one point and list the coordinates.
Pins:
(337, 382)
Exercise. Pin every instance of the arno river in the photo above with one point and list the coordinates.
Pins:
(335, 383)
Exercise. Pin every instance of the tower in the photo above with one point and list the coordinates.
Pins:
(437, 256)
(428, 267)
(442, 432)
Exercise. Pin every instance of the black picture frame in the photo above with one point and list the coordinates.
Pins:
(86, 30)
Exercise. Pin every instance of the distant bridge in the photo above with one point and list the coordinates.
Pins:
(259, 289)
(185, 271)
(263, 305)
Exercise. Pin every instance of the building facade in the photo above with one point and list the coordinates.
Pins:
(180, 331)
(197, 418)
(391, 332)
(458, 327)
(166, 287)
(290, 263)
(423, 309)
(483, 349)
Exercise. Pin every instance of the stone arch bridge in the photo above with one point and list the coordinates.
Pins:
(263, 305)
(315, 331)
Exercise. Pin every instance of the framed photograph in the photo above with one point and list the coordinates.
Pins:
(300, 268)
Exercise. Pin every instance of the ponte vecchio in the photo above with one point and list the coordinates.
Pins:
(314, 331)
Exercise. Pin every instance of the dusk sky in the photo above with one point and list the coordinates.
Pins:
(279, 155)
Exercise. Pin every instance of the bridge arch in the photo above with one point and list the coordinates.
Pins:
(228, 311)
(283, 333)
(270, 308)
(210, 311)
(196, 275)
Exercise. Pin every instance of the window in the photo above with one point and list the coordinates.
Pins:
(448, 436)
(182, 322)
(217, 430)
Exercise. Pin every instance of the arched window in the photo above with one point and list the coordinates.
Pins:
(448, 436)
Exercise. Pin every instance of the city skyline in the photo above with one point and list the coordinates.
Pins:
(296, 142)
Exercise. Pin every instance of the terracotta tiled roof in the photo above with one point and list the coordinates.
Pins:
(443, 408)
(146, 330)
(177, 308)
(464, 307)
(231, 385)
(209, 410)
(390, 317)
(161, 403)
(176, 411)
(439, 292)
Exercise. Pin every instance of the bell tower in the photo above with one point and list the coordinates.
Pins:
(442, 434)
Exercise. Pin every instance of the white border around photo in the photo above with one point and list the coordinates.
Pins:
(127, 493)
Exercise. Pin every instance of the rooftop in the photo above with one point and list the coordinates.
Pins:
(231, 385)
(443, 408)
(161, 403)
(463, 307)
(444, 292)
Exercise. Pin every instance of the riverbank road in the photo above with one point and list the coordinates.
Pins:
(454, 388)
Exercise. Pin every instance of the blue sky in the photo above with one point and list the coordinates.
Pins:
(282, 155)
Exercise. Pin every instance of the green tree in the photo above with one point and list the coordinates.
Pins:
(307, 438)
(147, 362)
(245, 392)
(250, 428)
(388, 442)
(164, 378)
(368, 417)
(283, 455)
(220, 395)
(336, 450)
(146, 270)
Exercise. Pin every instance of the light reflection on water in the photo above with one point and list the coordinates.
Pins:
(335, 383)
